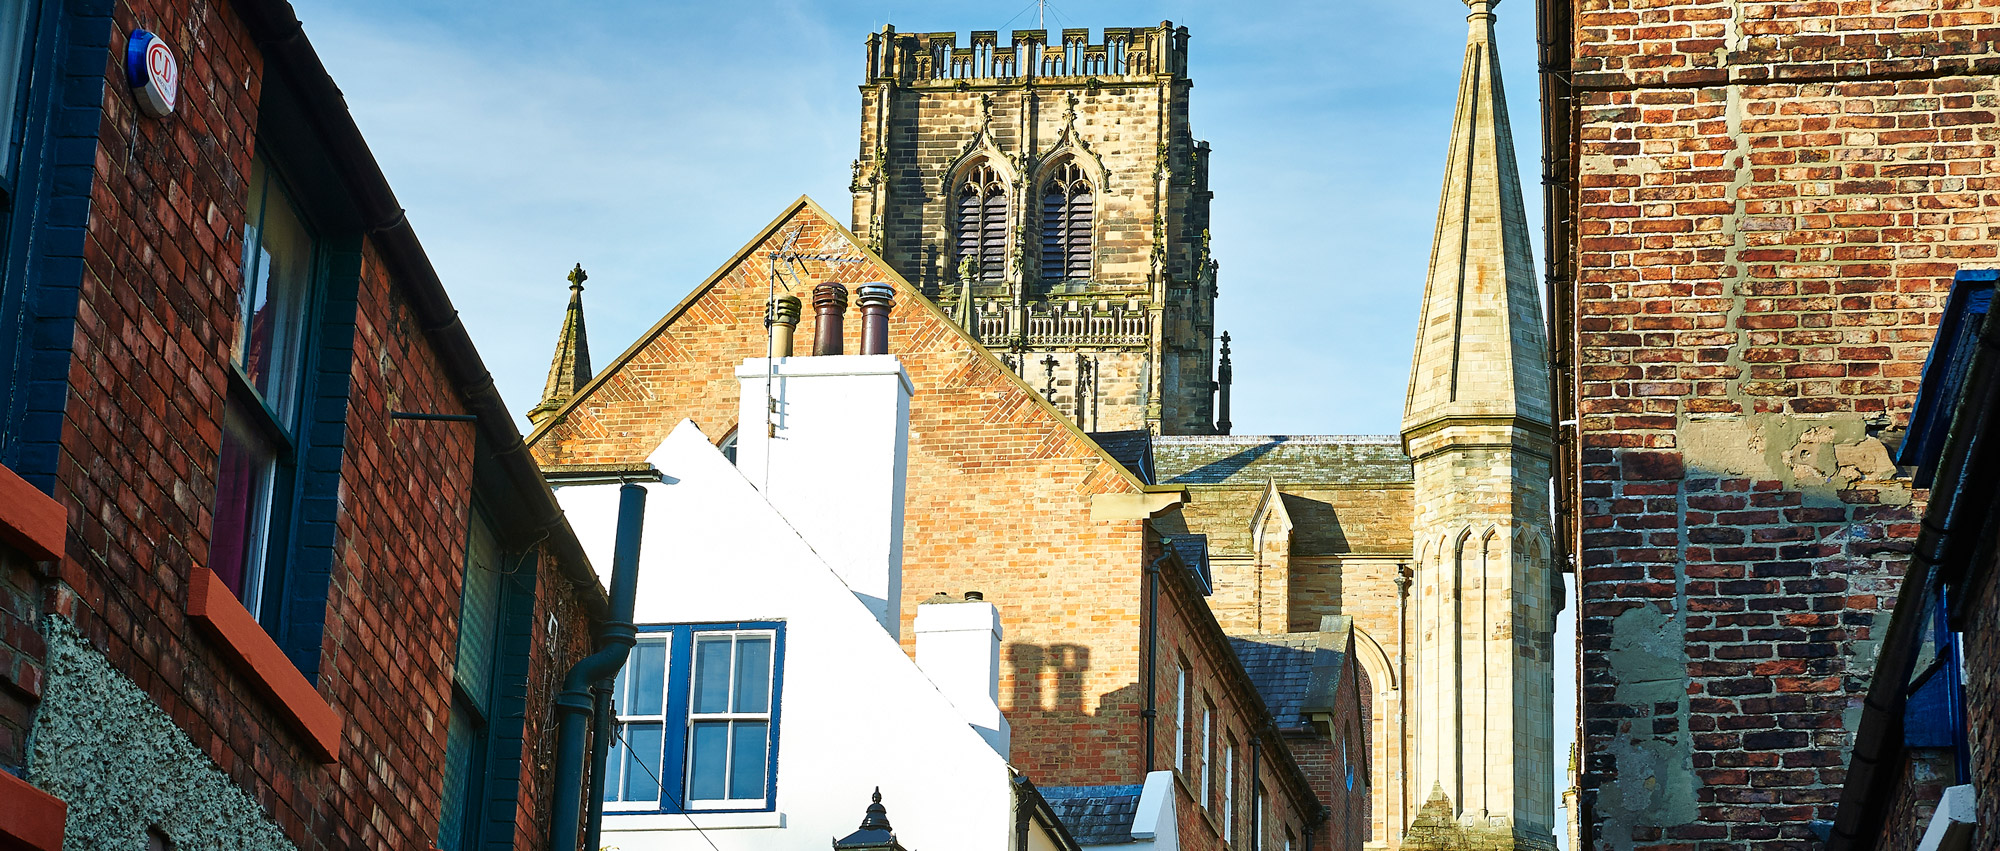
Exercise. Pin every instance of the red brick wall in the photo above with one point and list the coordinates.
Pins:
(999, 499)
(1188, 635)
(1982, 705)
(1913, 798)
(1771, 201)
(139, 454)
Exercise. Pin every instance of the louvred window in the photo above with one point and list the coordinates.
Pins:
(982, 222)
(1067, 202)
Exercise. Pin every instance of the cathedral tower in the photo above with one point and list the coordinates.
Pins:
(1477, 429)
(1050, 195)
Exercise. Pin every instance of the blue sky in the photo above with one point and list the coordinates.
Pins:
(649, 140)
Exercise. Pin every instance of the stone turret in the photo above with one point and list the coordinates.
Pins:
(570, 369)
(1477, 427)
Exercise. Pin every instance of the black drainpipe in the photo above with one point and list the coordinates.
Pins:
(1152, 712)
(601, 729)
(615, 640)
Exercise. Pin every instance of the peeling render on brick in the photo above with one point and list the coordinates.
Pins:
(1654, 779)
(119, 762)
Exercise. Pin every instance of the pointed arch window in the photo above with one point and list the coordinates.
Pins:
(1067, 204)
(982, 222)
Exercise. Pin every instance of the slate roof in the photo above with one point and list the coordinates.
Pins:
(1288, 459)
(1095, 815)
(1281, 668)
(1133, 448)
(1297, 673)
(1193, 550)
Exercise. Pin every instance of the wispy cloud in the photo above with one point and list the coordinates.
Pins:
(649, 140)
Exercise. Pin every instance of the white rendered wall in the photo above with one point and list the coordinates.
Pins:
(855, 711)
(832, 461)
(958, 647)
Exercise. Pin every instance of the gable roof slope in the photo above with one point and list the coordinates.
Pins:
(813, 233)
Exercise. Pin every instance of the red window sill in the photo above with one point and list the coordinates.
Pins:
(30, 819)
(29, 520)
(216, 610)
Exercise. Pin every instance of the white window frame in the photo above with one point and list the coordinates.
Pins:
(614, 769)
(689, 801)
(1181, 715)
(1207, 748)
(1229, 790)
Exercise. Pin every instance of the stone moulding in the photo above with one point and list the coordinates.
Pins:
(29, 520)
(29, 817)
(255, 656)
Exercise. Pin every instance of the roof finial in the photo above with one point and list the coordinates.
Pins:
(878, 815)
(875, 833)
(569, 370)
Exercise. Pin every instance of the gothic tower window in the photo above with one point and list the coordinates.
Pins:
(1066, 209)
(982, 222)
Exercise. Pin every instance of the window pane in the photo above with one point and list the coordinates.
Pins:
(708, 758)
(753, 674)
(614, 765)
(711, 673)
(649, 678)
(642, 762)
(458, 757)
(13, 52)
(243, 481)
(277, 270)
(479, 615)
(746, 769)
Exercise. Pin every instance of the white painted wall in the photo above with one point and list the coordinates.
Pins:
(833, 460)
(1155, 825)
(856, 712)
(958, 647)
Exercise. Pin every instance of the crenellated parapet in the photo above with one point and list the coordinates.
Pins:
(920, 59)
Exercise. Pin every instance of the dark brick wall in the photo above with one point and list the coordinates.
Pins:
(1771, 201)
(1982, 700)
(21, 655)
(141, 434)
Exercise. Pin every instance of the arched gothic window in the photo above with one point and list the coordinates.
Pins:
(982, 222)
(1066, 208)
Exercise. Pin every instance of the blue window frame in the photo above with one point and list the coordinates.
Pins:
(1944, 371)
(698, 708)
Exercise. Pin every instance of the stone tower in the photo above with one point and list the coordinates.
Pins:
(1050, 195)
(1477, 429)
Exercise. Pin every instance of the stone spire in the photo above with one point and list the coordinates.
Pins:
(570, 369)
(1480, 344)
(1477, 428)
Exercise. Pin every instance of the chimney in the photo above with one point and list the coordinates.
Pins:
(876, 300)
(829, 307)
(827, 439)
(958, 647)
(781, 317)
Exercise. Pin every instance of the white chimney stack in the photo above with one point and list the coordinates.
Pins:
(958, 647)
(827, 440)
